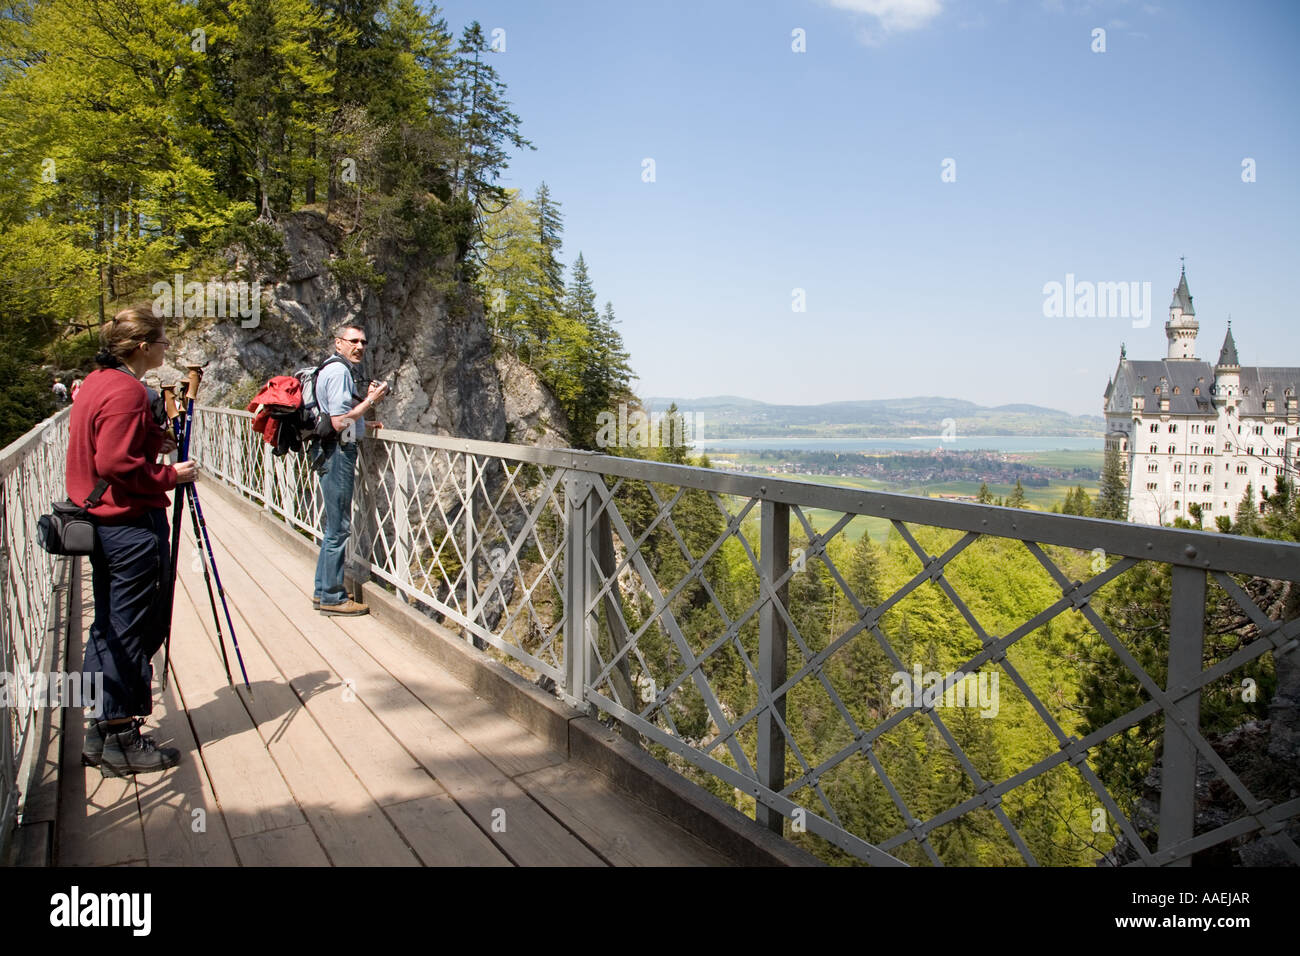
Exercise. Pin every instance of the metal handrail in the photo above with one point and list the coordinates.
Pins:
(31, 477)
(527, 550)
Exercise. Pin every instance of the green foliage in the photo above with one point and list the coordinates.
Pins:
(147, 138)
(26, 397)
(1017, 497)
(1112, 500)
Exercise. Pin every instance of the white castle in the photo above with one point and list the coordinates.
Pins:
(1192, 433)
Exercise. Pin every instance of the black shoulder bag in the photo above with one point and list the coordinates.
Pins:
(70, 528)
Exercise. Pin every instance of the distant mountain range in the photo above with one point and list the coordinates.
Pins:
(730, 416)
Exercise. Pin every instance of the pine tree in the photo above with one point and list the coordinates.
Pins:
(1017, 497)
(985, 496)
(550, 230)
(1246, 521)
(1112, 500)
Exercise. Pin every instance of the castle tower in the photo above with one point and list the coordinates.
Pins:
(1182, 326)
(1227, 371)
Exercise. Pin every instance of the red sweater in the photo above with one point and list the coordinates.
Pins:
(112, 435)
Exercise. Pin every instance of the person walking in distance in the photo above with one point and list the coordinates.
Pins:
(339, 396)
(114, 440)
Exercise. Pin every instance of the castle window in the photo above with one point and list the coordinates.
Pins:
(1241, 470)
(1172, 450)
(1153, 448)
(1178, 468)
(1196, 429)
(1250, 449)
(1279, 429)
(1259, 429)
(1206, 488)
(1152, 486)
(1155, 427)
(1178, 486)
(1192, 468)
(1173, 427)
(1175, 389)
(1177, 506)
(1209, 505)
(1209, 429)
(1209, 467)
(1153, 467)
(1194, 449)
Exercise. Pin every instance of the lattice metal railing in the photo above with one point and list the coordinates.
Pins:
(793, 682)
(32, 474)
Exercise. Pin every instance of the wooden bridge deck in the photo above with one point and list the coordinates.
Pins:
(353, 749)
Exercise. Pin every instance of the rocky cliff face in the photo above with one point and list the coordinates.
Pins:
(435, 353)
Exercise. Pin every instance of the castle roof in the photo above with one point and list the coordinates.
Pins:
(1228, 354)
(1182, 297)
(1182, 379)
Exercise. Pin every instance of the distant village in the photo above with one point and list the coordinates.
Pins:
(931, 466)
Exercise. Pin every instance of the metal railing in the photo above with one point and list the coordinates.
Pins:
(32, 473)
(697, 641)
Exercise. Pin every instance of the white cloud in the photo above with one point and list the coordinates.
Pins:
(895, 15)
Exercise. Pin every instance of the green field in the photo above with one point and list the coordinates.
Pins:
(1040, 499)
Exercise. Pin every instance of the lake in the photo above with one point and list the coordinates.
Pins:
(919, 443)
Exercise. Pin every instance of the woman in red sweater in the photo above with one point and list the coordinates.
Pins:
(114, 435)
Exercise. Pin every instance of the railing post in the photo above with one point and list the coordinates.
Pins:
(401, 513)
(471, 598)
(577, 492)
(361, 540)
(268, 474)
(774, 559)
(1186, 651)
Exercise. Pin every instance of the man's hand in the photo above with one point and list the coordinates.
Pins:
(374, 426)
(377, 391)
(186, 471)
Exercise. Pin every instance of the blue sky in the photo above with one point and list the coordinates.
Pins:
(776, 170)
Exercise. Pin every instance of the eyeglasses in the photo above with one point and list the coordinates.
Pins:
(355, 341)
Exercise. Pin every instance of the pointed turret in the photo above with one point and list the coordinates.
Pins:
(1227, 372)
(1228, 354)
(1182, 297)
(1182, 326)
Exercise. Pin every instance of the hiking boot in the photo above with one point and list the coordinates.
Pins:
(347, 607)
(129, 752)
(92, 747)
(315, 603)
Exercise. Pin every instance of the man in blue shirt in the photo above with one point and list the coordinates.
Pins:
(338, 396)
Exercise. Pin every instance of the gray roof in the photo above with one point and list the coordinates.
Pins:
(1145, 378)
(1228, 354)
(1182, 297)
(1259, 382)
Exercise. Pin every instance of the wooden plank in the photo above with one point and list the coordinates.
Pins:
(442, 835)
(99, 819)
(174, 834)
(288, 846)
(351, 828)
(623, 830)
(245, 780)
(507, 743)
(387, 771)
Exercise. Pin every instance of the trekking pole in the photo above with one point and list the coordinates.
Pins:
(201, 527)
(174, 418)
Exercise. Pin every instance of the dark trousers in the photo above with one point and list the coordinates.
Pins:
(132, 574)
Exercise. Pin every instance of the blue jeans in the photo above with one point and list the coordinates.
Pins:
(336, 488)
(131, 566)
